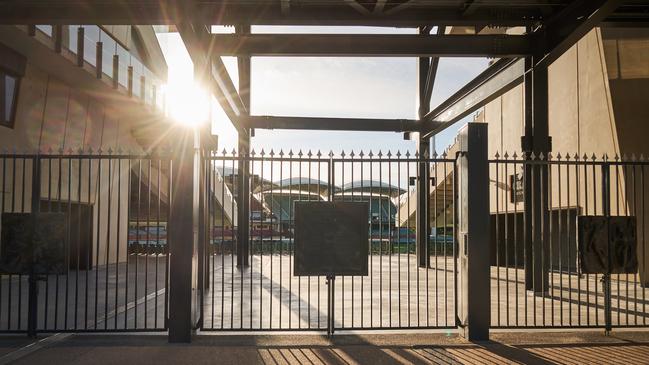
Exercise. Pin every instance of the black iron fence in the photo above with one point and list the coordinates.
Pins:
(116, 273)
(117, 206)
(265, 295)
(537, 273)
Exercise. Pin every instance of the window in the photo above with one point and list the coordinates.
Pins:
(8, 98)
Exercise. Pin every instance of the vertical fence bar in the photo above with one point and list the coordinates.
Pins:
(32, 313)
(606, 278)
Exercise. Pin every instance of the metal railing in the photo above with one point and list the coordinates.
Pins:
(94, 46)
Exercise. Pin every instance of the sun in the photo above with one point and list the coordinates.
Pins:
(187, 103)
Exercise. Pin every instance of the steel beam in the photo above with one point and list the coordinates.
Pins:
(373, 45)
(422, 222)
(228, 12)
(564, 29)
(535, 177)
(496, 80)
(243, 178)
(215, 75)
(432, 73)
(338, 124)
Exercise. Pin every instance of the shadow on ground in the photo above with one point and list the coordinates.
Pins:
(505, 348)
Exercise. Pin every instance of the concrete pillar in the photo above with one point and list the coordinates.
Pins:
(474, 301)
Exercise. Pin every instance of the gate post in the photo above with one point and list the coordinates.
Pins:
(474, 307)
(183, 238)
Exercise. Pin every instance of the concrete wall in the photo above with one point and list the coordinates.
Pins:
(597, 106)
(56, 112)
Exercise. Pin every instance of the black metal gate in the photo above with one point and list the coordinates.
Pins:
(117, 208)
(535, 242)
(397, 293)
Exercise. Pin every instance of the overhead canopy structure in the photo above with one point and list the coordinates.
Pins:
(552, 27)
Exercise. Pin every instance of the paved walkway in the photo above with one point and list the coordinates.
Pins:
(397, 293)
(505, 348)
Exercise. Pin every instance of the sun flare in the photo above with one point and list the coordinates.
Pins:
(187, 103)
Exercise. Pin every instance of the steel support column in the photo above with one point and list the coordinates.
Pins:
(474, 293)
(423, 170)
(243, 178)
(183, 239)
(536, 143)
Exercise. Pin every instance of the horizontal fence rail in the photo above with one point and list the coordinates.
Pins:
(535, 232)
(266, 296)
(116, 207)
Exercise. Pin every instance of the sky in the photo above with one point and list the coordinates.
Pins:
(370, 87)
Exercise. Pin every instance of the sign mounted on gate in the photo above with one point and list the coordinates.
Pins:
(331, 238)
(34, 243)
(607, 245)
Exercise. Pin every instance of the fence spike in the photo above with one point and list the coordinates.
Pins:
(593, 157)
(435, 155)
(407, 154)
(361, 154)
(351, 154)
(290, 153)
(515, 155)
(444, 155)
(262, 153)
(642, 157)
(370, 154)
(272, 153)
(416, 154)
(252, 153)
(319, 154)
(342, 153)
(497, 155)
(281, 153)
(558, 155)
(605, 157)
(309, 154)
(299, 153)
(380, 154)
(506, 155)
(398, 154)
(331, 153)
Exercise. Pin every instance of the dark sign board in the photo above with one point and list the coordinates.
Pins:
(597, 234)
(34, 243)
(331, 238)
(516, 188)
